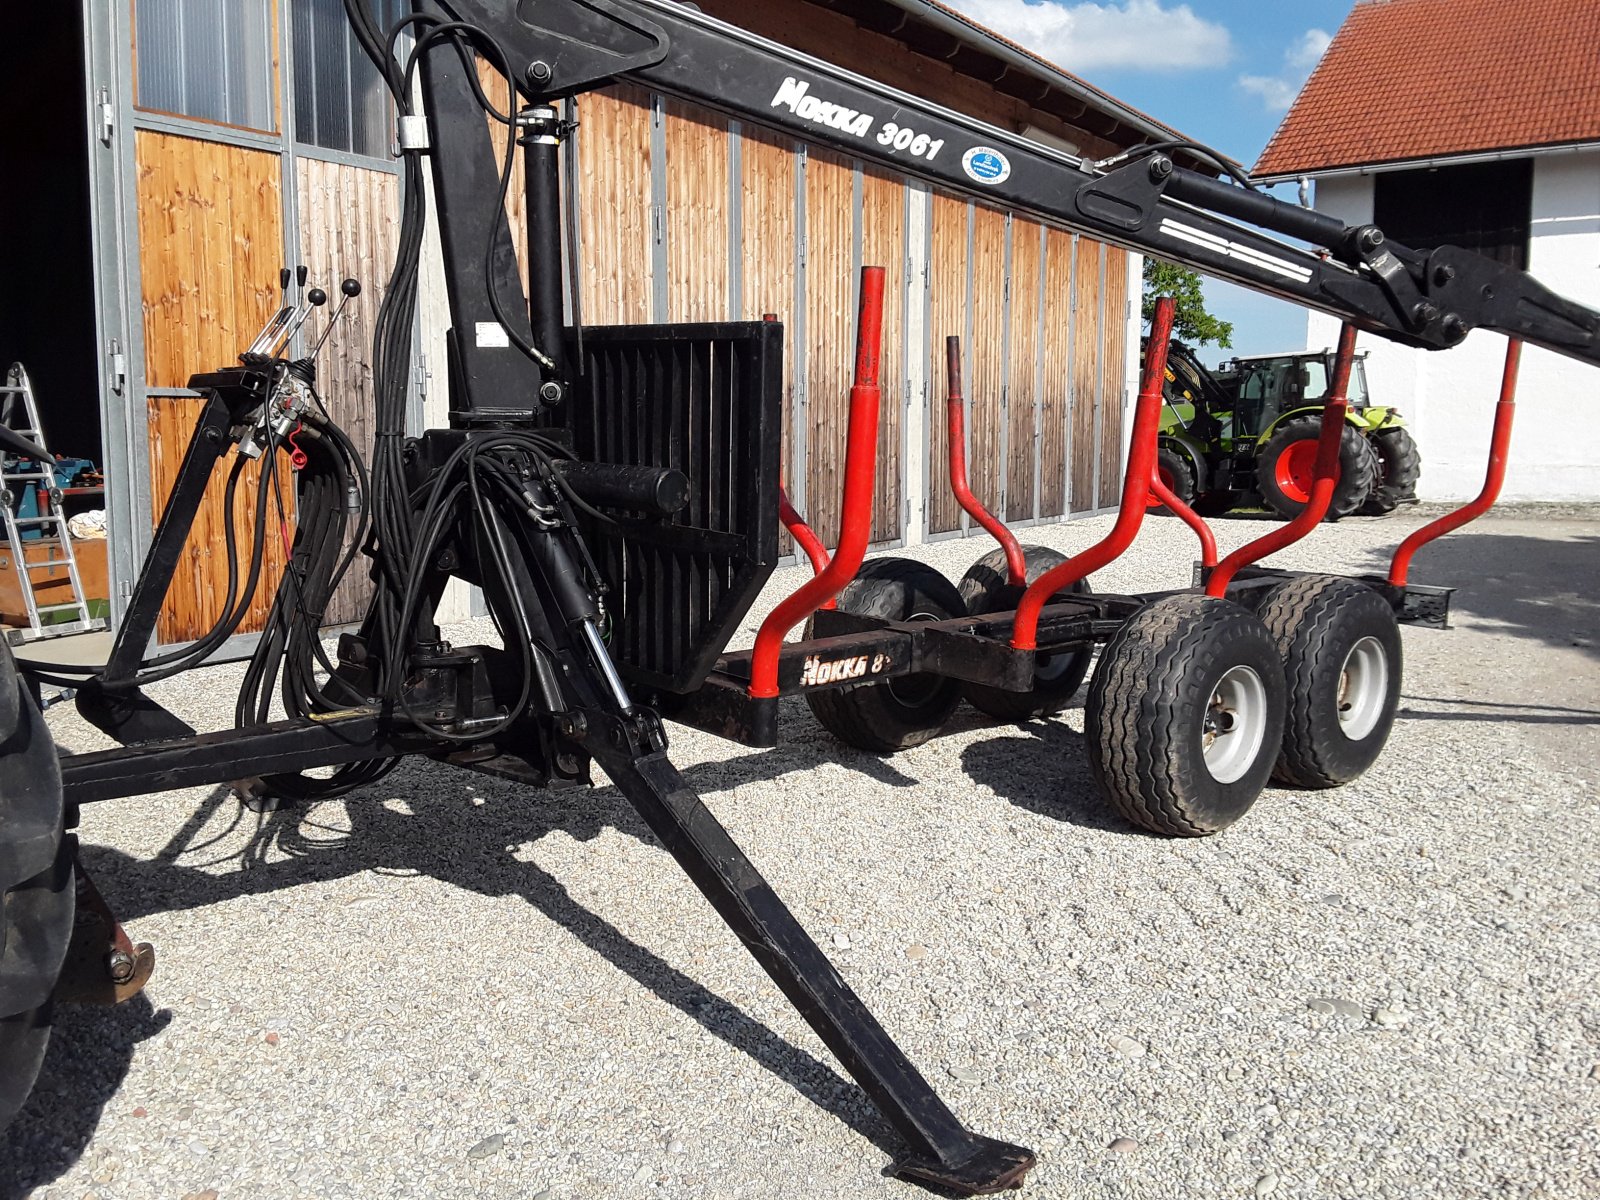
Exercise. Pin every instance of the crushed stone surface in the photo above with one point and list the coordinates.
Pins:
(448, 986)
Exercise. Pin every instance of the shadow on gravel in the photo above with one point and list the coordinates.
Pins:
(90, 1050)
(1499, 711)
(1042, 766)
(1543, 588)
(450, 836)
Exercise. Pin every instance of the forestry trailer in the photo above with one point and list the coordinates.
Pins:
(615, 494)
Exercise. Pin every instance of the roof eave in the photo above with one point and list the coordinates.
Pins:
(1457, 158)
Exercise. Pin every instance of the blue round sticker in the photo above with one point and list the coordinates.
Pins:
(986, 165)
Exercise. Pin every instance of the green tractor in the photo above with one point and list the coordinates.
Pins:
(1247, 435)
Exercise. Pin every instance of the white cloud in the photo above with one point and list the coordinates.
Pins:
(1308, 51)
(1277, 92)
(1120, 33)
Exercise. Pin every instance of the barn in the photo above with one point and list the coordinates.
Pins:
(190, 148)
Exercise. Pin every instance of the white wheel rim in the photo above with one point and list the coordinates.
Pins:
(1234, 724)
(1363, 688)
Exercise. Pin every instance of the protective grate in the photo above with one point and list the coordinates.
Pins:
(706, 399)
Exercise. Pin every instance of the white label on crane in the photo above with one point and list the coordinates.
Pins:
(985, 164)
(1235, 250)
(492, 335)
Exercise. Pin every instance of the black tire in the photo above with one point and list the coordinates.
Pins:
(1178, 471)
(1217, 503)
(1358, 467)
(1151, 718)
(1057, 677)
(36, 892)
(1340, 647)
(1399, 468)
(898, 713)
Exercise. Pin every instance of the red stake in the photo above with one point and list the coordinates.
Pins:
(1135, 490)
(802, 533)
(1499, 448)
(1324, 476)
(855, 519)
(955, 415)
(1208, 541)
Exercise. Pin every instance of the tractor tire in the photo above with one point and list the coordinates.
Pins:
(1177, 473)
(897, 713)
(1399, 468)
(1056, 677)
(1340, 646)
(1285, 465)
(1185, 715)
(37, 900)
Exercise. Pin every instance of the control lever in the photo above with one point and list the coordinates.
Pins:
(350, 289)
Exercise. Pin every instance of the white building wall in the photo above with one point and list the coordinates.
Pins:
(1448, 397)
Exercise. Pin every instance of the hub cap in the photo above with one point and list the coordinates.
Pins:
(1363, 688)
(1234, 724)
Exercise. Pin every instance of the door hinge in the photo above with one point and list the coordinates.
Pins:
(658, 223)
(421, 374)
(116, 366)
(107, 114)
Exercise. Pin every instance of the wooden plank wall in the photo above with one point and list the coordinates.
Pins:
(697, 198)
(766, 253)
(614, 206)
(210, 245)
(947, 315)
(1085, 372)
(1056, 349)
(883, 244)
(830, 334)
(1022, 389)
(986, 357)
(349, 223)
(1114, 361)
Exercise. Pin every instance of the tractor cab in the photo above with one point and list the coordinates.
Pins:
(1269, 385)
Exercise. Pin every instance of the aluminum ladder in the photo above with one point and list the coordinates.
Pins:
(27, 473)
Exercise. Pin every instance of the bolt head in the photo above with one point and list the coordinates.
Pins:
(538, 72)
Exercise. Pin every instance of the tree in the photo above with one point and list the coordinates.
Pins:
(1191, 322)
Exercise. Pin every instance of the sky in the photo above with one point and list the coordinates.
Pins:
(1222, 72)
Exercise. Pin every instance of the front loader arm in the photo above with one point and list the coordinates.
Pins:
(1148, 205)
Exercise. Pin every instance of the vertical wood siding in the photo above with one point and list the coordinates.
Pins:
(614, 206)
(1056, 349)
(830, 332)
(766, 253)
(1114, 362)
(1085, 371)
(947, 287)
(349, 221)
(1021, 382)
(883, 244)
(210, 244)
(986, 356)
(697, 214)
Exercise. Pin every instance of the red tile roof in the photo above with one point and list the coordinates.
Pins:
(1408, 79)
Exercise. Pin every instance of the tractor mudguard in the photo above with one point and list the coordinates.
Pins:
(1351, 417)
(1194, 451)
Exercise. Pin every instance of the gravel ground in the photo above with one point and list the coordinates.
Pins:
(448, 987)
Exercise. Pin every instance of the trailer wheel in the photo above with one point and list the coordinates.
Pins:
(905, 711)
(1185, 715)
(1399, 468)
(36, 892)
(1177, 473)
(1286, 464)
(1056, 677)
(1340, 646)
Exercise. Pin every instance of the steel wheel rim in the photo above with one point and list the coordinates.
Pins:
(1296, 468)
(1363, 688)
(1234, 724)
